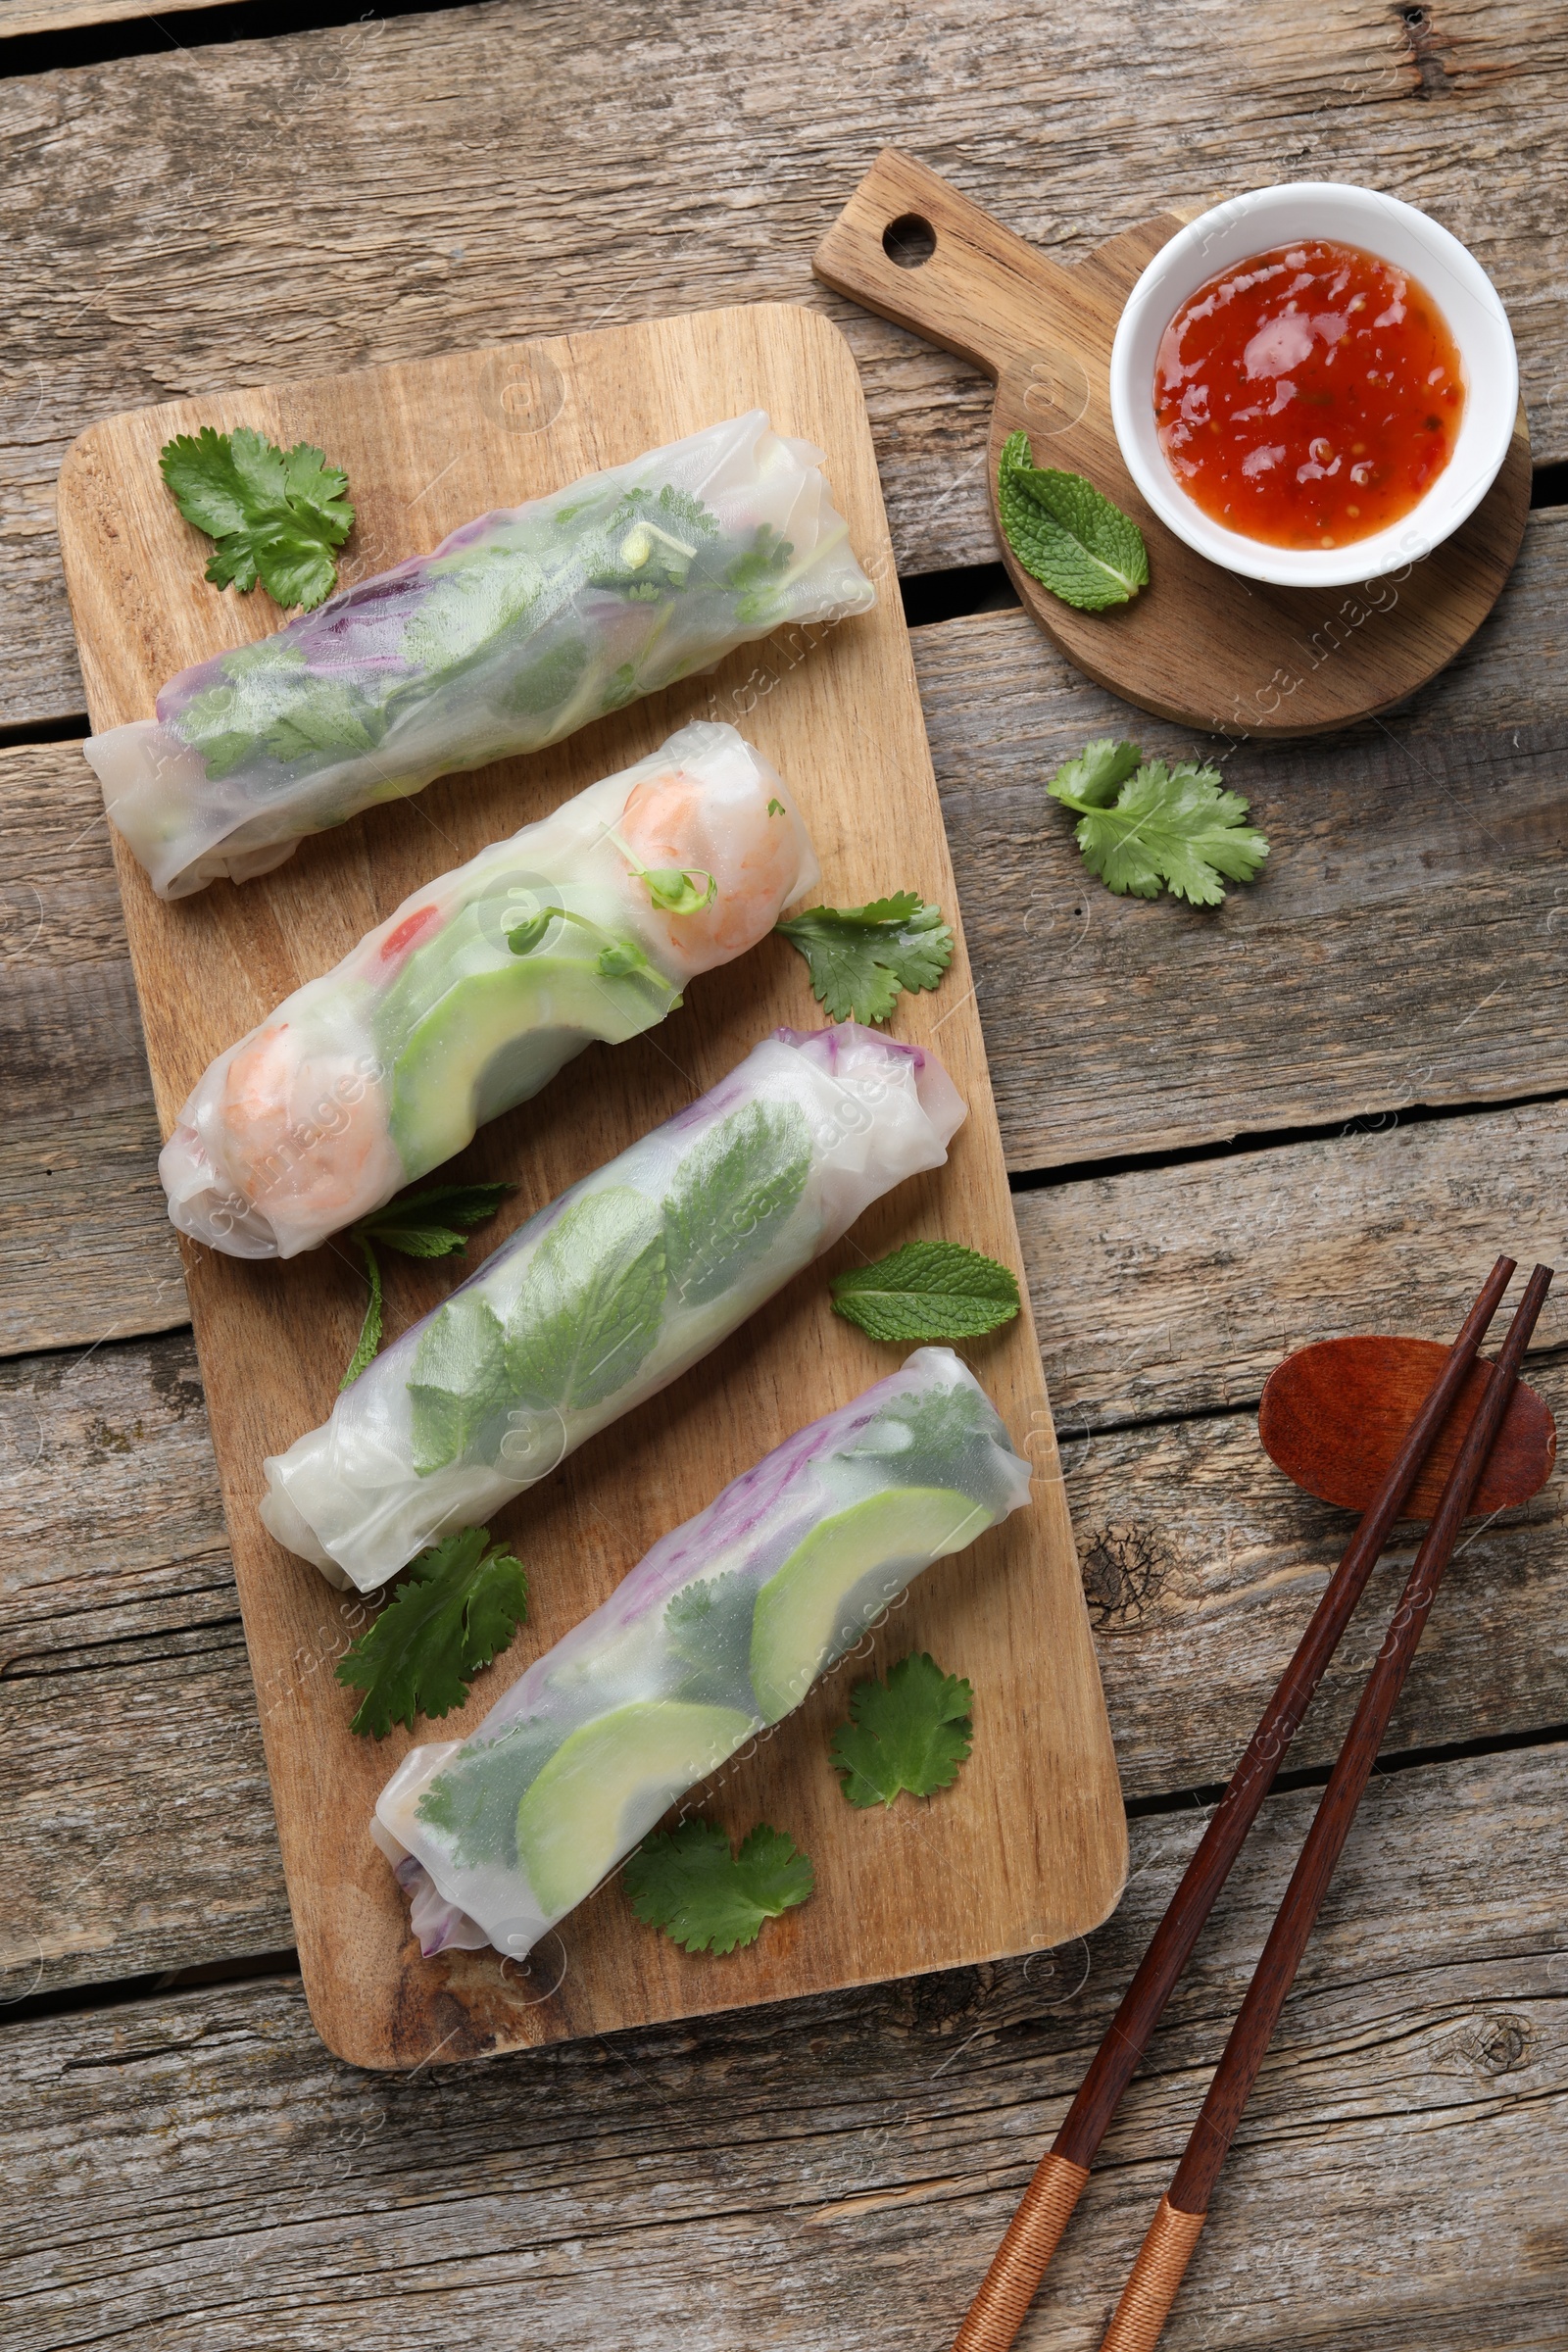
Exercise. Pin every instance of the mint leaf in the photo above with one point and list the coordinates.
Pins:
(1143, 825)
(473, 1799)
(860, 958)
(591, 1302)
(425, 1224)
(457, 1607)
(275, 515)
(730, 1195)
(1067, 534)
(708, 1899)
(369, 1339)
(422, 1226)
(708, 1627)
(911, 1731)
(458, 1388)
(927, 1290)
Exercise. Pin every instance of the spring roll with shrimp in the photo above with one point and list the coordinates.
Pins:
(518, 630)
(608, 1294)
(475, 991)
(722, 1628)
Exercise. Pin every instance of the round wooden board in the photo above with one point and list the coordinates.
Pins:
(1199, 645)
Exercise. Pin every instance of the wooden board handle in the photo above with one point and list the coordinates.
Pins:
(910, 246)
(1019, 2265)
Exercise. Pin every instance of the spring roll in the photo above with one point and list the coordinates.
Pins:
(469, 997)
(520, 628)
(608, 1294)
(720, 1629)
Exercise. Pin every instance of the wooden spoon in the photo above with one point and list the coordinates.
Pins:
(1332, 1415)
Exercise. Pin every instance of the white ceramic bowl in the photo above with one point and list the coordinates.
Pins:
(1397, 232)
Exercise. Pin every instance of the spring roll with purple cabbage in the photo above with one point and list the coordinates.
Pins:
(609, 1293)
(518, 630)
(722, 1628)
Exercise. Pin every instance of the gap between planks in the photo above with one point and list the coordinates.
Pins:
(433, 213)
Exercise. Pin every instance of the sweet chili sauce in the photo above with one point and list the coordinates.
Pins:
(1308, 396)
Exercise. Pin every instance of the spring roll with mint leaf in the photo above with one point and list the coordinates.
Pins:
(518, 630)
(473, 993)
(720, 1629)
(608, 1294)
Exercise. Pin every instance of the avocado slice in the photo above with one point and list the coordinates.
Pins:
(473, 1028)
(607, 1786)
(821, 1600)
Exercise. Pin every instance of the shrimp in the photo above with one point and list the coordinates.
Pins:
(301, 1136)
(738, 829)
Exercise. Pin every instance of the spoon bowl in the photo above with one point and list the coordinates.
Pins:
(1332, 1415)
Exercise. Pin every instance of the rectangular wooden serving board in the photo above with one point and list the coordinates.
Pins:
(1028, 1847)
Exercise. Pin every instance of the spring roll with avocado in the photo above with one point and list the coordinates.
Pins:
(475, 991)
(608, 1294)
(720, 1629)
(518, 630)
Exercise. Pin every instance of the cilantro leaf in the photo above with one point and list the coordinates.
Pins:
(1142, 824)
(730, 1195)
(708, 1899)
(473, 1799)
(942, 1429)
(860, 958)
(426, 1224)
(927, 1290)
(457, 1607)
(913, 1731)
(708, 1627)
(275, 515)
(422, 1226)
(1066, 534)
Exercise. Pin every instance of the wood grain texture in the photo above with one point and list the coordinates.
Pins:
(1401, 946)
(1199, 645)
(1200, 1561)
(1334, 1416)
(524, 169)
(1033, 1846)
(1455, 897)
(22, 17)
(1192, 1282)
(198, 2175)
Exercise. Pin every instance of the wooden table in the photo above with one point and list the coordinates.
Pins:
(1323, 1109)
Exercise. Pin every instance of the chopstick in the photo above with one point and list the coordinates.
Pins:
(1167, 2248)
(1032, 2236)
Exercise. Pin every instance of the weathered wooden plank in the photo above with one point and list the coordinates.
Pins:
(1401, 946)
(196, 2172)
(121, 1668)
(1406, 947)
(1372, 1229)
(20, 18)
(509, 170)
(1178, 1289)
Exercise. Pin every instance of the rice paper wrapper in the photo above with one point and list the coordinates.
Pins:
(608, 1294)
(517, 630)
(719, 1631)
(473, 993)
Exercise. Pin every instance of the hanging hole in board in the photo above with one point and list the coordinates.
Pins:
(909, 241)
